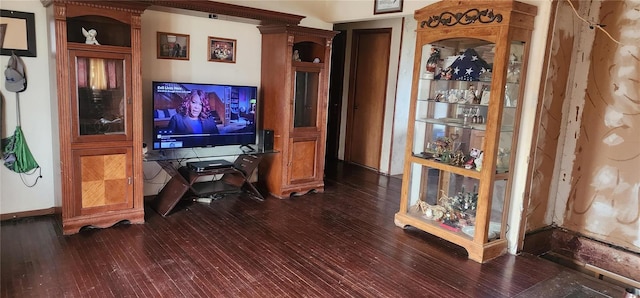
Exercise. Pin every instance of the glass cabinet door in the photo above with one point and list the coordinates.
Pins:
(454, 109)
(452, 104)
(101, 96)
(305, 102)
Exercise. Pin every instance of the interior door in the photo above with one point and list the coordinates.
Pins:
(367, 89)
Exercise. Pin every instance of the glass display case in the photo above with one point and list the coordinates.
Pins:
(463, 122)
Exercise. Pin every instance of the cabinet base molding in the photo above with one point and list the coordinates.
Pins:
(103, 220)
(299, 190)
(476, 251)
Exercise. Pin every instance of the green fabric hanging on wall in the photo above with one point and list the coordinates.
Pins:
(16, 154)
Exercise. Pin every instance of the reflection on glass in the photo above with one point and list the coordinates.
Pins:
(513, 74)
(496, 217)
(306, 99)
(101, 96)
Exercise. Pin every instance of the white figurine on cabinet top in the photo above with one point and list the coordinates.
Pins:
(90, 36)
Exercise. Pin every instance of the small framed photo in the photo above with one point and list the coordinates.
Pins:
(222, 49)
(173, 46)
(387, 6)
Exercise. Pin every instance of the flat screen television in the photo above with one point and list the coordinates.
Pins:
(189, 115)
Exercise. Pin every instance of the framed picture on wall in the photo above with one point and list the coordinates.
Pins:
(222, 49)
(17, 33)
(387, 6)
(173, 46)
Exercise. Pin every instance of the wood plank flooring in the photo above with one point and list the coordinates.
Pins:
(341, 243)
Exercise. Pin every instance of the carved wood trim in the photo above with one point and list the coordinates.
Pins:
(136, 22)
(60, 12)
(297, 30)
(219, 8)
(135, 7)
(468, 17)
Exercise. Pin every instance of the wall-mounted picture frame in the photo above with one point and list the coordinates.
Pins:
(222, 49)
(387, 6)
(19, 33)
(173, 46)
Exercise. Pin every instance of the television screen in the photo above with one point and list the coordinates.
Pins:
(187, 115)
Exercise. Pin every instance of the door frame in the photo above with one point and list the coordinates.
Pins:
(336, 88)
(352, 92)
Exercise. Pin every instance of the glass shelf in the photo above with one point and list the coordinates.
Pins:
(202, 153)
(449, 200)
(458, 122)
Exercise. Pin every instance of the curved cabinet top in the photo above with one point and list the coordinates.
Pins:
(118, 10)
(473, 14)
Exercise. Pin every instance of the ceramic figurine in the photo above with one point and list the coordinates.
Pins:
(432, 62)
(478, 162)
(469, 164)
(90, 36)
(458, 159)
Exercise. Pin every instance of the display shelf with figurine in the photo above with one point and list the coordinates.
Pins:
(464, 119)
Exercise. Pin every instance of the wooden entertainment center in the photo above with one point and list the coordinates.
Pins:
(101, 120)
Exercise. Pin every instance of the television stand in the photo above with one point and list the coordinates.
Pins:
(184, 183)
(251, 149)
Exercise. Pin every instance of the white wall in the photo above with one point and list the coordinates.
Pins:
(314, 11)
(35, 116)
(405, 72)
(246, 70)
(527, 120)
(392, 78)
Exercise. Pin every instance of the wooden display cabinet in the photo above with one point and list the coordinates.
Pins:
(294, 96)
(99, 112)
(463, 123)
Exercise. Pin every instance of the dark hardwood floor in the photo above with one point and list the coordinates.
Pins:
(341, 243)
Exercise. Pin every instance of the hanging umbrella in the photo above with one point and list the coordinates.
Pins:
(15, 151)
